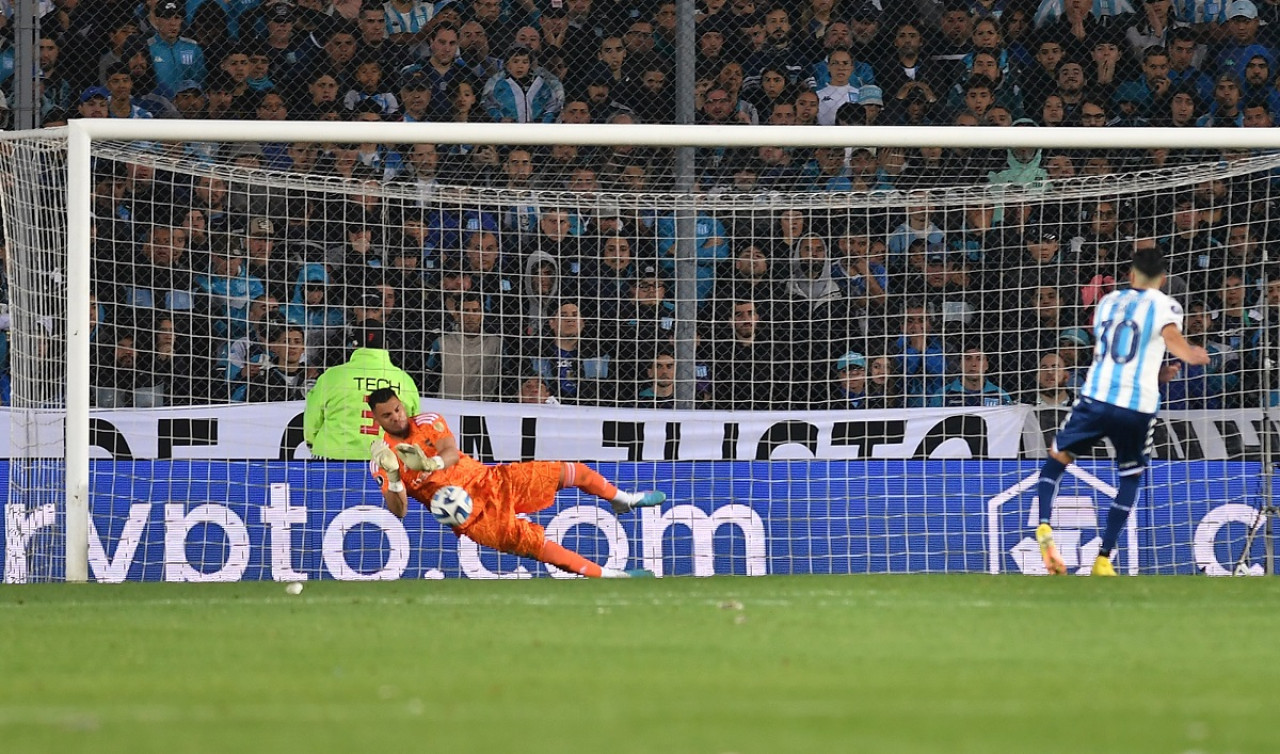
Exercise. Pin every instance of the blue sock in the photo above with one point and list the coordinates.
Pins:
(1119, 512)
(1050, 475)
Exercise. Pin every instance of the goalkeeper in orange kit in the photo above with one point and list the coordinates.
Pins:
(418, 455)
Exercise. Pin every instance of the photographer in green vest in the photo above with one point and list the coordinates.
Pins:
(338, 423)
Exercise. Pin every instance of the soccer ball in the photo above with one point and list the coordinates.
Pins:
(451, 506)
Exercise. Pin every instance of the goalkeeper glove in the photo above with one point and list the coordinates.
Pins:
(415, 458)
(387, 461)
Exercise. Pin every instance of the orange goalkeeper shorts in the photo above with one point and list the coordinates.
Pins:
(505, 491)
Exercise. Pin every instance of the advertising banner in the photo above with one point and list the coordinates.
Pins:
(230, 521)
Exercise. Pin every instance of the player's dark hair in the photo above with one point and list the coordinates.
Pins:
(1149, 262)
(379, 396)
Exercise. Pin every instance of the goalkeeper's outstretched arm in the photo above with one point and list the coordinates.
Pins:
(396, 502)
(415, 457)
(387, 470)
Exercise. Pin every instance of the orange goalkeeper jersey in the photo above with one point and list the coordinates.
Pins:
(498, 493)
(425, 430)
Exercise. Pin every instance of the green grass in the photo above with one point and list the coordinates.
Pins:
(776, 664)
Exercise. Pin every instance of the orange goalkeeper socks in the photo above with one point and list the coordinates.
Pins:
(568, 560)
(588, 480)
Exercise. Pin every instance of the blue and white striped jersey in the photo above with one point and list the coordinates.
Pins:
(409, 21)
(1129, 348)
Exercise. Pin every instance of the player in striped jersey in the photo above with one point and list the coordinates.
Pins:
(1132, 328)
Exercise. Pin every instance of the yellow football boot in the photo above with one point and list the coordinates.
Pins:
(1049, 551)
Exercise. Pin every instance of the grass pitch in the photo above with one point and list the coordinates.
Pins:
(775, 664)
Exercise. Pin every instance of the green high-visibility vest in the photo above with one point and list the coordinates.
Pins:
(338, 423)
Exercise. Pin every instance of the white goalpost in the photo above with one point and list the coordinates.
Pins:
(799, 351)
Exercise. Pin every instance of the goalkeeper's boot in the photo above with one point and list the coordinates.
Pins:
(640, 573)
(1102, 567)
(1049, 551)
(647, 499)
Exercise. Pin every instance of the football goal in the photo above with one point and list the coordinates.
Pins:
(843, 350)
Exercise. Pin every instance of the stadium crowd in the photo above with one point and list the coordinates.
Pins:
(241, 289)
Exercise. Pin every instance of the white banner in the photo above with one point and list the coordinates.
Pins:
(511, 432)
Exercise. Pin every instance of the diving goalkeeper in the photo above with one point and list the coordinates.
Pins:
(418, 455)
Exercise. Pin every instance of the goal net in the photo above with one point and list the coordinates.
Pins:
(832, 359)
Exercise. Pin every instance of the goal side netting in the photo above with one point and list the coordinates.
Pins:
(831, 359)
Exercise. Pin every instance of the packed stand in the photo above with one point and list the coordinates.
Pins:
(212, 289)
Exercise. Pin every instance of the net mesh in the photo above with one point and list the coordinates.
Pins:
(880, 348)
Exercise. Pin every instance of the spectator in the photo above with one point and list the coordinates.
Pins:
(572, 366)
(972, 387)
(314, 305)
(175, 58)
(806, 105)
(918, 225)
(321, 93)
(849, 389)
(542, 285)
(115, 369)
(160, 276)
(1149, 92)
(259, 79)
(535, 390)
(285, 41)
(860, 269)
(441, 66)
(921, 358)
(226, 287)
(814, 323)
(751, 278)
(266, 262)
(189, 100)
(843, 86)
(608, 277)
(178, 376)
(1075, 350)
(57, 85)
(744, 370)
(1186, 56)
(1153, 26)
(474, 48)
(882, 382)
(1221, 373)
(907, 64)
(369, 86)
(281, 373)
(1098, 251)
(950, 42)
(1191, 387)
(467, 361)
(94, 103)
(522, 218)
(464, 103)
(1241, 42)
(1235, 322)
(495, 279)
(711, 242)
(645, 321)
(775, 90)
(1225, 110)
(1051, 383)
(220, 98)
(120, 104)
(118, 29)
(660, 390)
